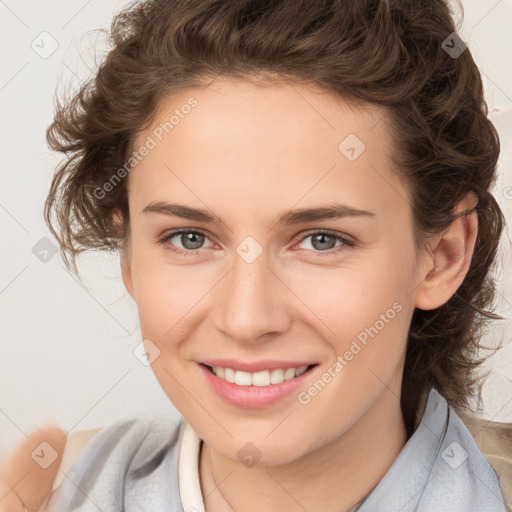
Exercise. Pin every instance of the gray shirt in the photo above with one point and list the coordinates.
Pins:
(132, 466)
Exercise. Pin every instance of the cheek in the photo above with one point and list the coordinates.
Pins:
(168, 296)
(363, 313)
(351, 296)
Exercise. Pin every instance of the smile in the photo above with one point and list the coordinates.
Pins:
(256, 390)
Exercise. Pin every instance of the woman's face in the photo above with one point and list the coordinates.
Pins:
(255, 291)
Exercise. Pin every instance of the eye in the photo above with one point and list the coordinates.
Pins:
(324, 242)
(190, 239)
(193, 240)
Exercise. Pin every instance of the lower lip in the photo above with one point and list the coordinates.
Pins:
(253, 397)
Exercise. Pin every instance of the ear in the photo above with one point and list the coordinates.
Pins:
(126, 273)
(451, 259)
(125, 257)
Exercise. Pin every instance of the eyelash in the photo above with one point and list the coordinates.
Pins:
(347, 243)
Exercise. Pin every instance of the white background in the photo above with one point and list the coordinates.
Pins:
(66, 348)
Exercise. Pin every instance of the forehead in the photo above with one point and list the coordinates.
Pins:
(267, 145)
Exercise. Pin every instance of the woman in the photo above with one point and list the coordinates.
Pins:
(220, 146)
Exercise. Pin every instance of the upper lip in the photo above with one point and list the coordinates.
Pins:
(256, 366)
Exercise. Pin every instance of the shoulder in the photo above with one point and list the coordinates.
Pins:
(494, 439)
(75, 442)
(104, 458)
(461, 477)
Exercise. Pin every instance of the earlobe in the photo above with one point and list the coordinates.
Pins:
(452, 259)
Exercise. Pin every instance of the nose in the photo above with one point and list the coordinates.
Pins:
(252, 302)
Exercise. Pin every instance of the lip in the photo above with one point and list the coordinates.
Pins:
(256, 366)
(253, 397)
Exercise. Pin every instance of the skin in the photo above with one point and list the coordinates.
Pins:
(247, 153)
(22, 480)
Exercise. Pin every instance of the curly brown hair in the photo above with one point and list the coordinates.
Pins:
(386, 52)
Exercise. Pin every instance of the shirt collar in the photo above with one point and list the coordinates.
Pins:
(188, 471)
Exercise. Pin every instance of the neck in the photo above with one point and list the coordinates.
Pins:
(333, 478)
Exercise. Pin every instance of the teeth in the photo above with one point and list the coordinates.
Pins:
(261, 379)
(229, 375)
(290, 373)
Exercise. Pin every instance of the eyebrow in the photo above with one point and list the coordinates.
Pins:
(288, 217)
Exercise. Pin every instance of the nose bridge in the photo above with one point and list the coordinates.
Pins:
(249, 306)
